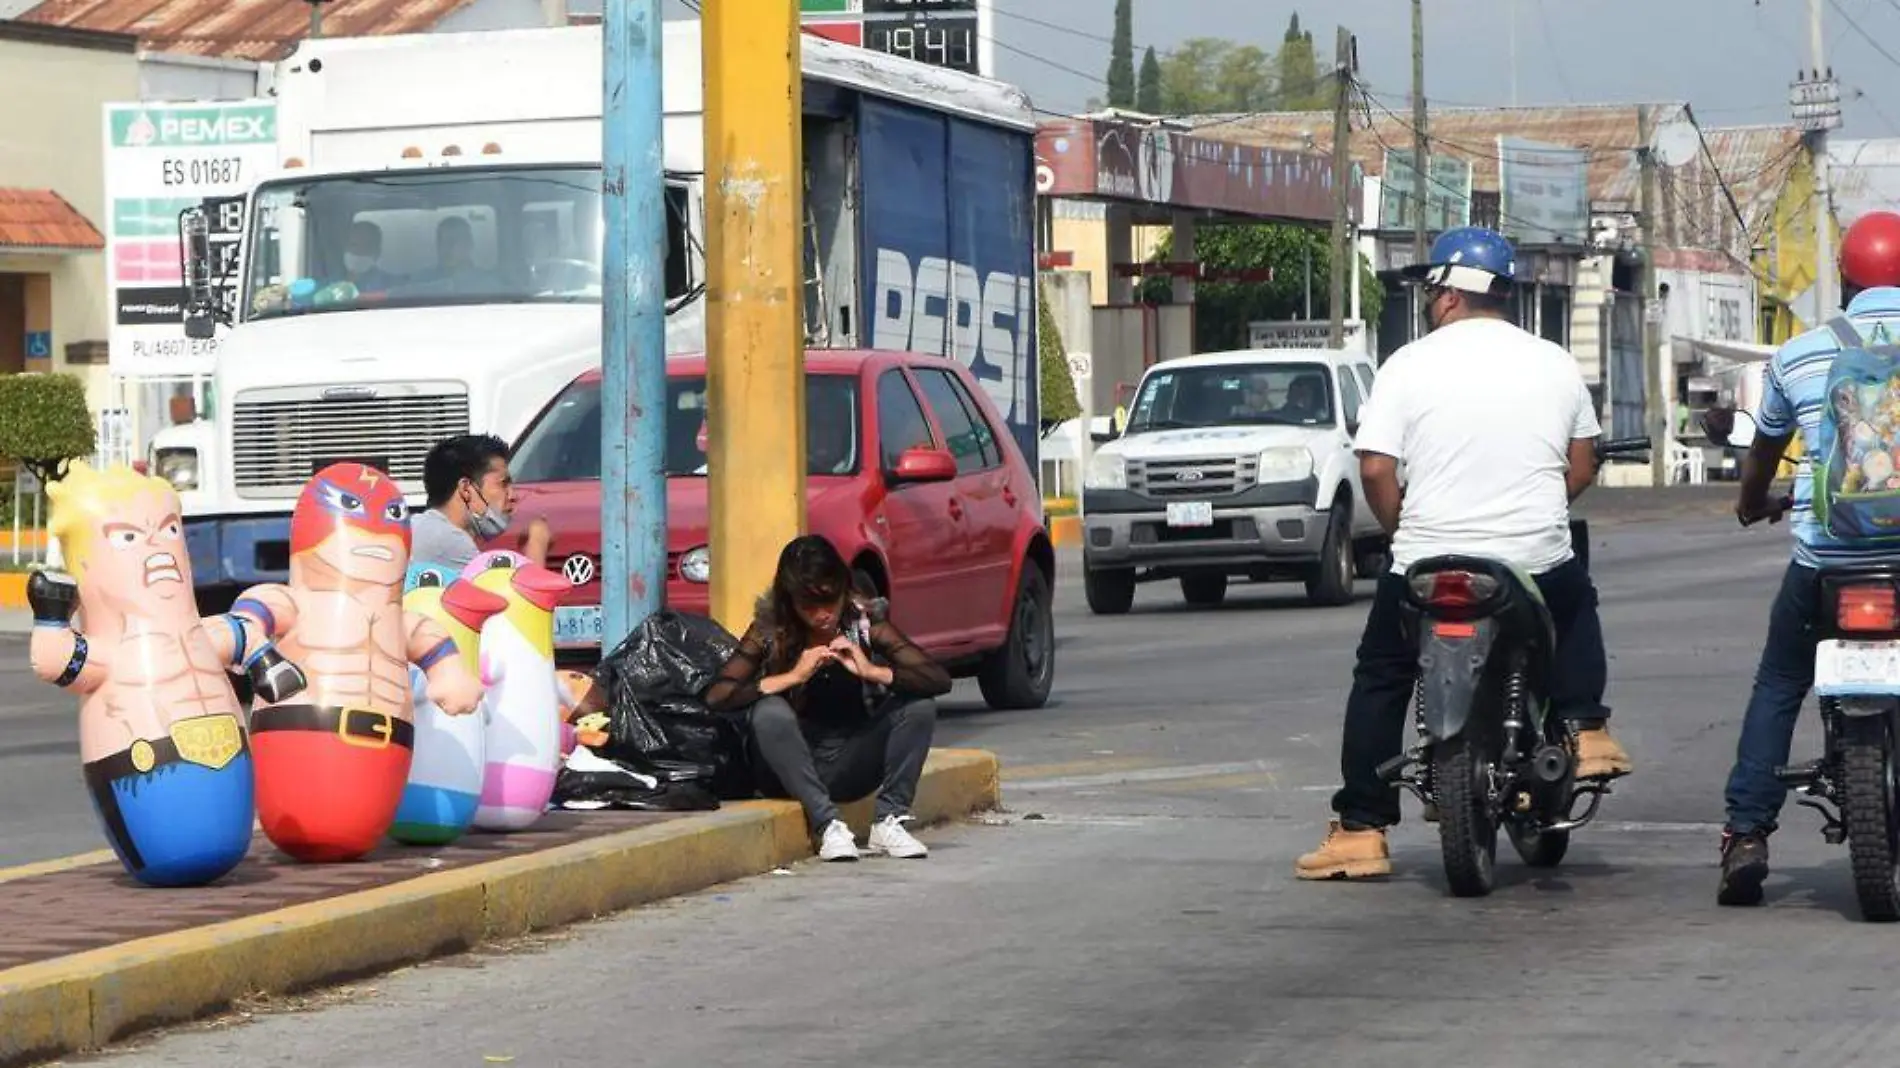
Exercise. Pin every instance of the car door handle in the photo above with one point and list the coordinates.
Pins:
(1009, 496)
(956, 509)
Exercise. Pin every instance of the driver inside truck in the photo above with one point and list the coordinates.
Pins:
(1305, 400)
(455, 256)
(362, 254)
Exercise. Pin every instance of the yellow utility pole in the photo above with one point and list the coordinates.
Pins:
(755, 359)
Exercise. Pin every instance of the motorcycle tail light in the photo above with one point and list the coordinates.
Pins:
(1867, 608)
(1454, 589)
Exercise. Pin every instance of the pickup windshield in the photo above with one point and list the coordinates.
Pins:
(563, 445)
(468, 235)
(1278, 394)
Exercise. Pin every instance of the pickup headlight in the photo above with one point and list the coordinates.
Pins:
(696, 566)
(1107, 471)
(1288, 463)
(178, 467)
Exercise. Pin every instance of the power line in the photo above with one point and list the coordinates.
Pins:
(1864, 35)
(1543, 22)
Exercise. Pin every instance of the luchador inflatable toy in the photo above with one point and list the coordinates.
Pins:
(525, 701)
(445, 776)
(161, 738)
(331, 767)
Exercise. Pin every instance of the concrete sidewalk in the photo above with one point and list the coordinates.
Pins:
(87, 957)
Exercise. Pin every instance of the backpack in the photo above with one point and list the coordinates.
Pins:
(1856, 457)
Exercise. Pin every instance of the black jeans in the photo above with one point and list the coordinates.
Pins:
(1782, 680)
(818, 770)
(1386, 677)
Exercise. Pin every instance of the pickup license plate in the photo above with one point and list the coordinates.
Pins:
(1847, 669)
(1190, 514)
(579, 625)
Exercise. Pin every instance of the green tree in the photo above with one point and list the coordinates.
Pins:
(1223, 309)
(44, 423)
(1148, 84)
(1121, 58)
(1300, 86)
(1056, 394)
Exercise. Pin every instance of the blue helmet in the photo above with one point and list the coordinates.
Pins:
(1470, 258)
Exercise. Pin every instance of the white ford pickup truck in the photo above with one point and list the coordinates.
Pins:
(1234, 465)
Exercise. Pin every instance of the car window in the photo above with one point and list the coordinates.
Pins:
(900, 419)
(1349, 396)
(1273, 394)
(960, 432)
(563, 444)
(1365, 376)
(935, 383)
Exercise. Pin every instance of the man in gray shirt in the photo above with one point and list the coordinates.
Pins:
(471, 500)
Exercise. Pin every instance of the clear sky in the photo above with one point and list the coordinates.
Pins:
(1731, 59)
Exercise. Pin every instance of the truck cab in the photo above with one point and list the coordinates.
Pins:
(1234, 465)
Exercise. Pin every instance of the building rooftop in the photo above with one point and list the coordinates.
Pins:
(41, 220)
(239, 29)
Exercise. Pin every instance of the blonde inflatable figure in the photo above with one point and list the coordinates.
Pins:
(331, 767)
(525, 702)
(165, 754)
(445, 776)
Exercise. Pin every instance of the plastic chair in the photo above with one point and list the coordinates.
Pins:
(1690, 461)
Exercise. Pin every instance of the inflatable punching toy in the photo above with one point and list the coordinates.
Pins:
(525, 700)
(331, 766)
(161, 737)
(445, 775)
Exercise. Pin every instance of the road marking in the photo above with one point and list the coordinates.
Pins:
(1162, 774)
(1074, 767)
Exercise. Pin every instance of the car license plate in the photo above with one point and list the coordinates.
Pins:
(1190, 514)
(1846, 669)
(579, 625)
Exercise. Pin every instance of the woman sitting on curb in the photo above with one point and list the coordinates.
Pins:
(842, 702)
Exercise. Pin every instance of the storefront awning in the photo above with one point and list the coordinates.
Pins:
(40, 220)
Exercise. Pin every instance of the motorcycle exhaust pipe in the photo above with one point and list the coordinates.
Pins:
(1550, 764)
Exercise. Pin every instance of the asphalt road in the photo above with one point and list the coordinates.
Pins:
(1136, 904)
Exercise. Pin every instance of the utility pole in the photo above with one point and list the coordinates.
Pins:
(755, 336)
(1421, 149)
(633, 321)
(1656, 397)
(1816, 100)
(1342, 187)
(1511, 10)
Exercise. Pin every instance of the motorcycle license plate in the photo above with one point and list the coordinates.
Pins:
(1190, 514)
(1848, 669)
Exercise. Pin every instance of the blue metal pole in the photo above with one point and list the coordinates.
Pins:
(633, 320)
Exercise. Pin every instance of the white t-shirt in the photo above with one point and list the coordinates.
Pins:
(1480, 416)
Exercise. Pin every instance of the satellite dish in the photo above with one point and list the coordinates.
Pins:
(1676, 143)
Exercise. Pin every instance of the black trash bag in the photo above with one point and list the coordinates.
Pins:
(714, 740)
(670, 654)
(603, 783)
(654, 681)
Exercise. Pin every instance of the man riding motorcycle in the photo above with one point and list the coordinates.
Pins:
(1794, 398)
(1496, 433)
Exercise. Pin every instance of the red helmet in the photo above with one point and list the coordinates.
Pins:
(1870, 250)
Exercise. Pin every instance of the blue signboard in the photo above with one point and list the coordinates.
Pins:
(946, 221)
(39, 344)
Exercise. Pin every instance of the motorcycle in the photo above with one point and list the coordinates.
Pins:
(1490, 754)
(1855, 785)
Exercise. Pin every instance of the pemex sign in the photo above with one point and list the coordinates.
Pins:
(191, 127)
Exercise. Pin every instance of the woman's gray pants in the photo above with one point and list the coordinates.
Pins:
(886, 754)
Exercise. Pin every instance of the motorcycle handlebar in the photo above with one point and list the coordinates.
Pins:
(1621, 446)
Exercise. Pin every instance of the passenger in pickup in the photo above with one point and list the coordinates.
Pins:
(842, 704)
(471, 501)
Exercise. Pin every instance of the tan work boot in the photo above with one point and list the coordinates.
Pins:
(1346, 855)
(1600, 756)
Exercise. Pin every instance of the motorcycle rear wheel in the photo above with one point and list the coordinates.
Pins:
(1868, 795)
(1467, 831)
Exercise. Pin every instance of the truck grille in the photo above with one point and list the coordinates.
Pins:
(280, 437)
(1196, 478)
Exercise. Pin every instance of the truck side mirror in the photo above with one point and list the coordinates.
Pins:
(201, 304)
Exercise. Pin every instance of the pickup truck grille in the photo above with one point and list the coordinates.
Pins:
(1196, 478)
(280, 437)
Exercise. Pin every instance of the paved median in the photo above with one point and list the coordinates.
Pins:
(87, 958)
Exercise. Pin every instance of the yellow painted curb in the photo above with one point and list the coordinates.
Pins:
(86, 1000)
(12, 589)
(1065, 530)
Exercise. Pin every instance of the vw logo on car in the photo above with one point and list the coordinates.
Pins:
(578, 569)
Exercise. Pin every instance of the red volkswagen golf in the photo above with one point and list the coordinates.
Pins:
(911, 474)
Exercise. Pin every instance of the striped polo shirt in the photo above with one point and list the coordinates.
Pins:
(1794, 395)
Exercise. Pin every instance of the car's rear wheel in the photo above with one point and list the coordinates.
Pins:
(1110, 593)
(1020, 674)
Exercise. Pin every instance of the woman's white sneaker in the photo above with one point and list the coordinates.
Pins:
(839, 843)
(889, 837)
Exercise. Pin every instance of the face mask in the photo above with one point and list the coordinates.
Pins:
(491, 523)
(357, 263)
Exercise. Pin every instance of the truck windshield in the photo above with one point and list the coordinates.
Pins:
(563, 445)
(462, 236)
(1277, 394)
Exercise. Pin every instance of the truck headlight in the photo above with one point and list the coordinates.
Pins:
(1107, 471)
(178, 467)
(696, 566)
(1287, 463)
